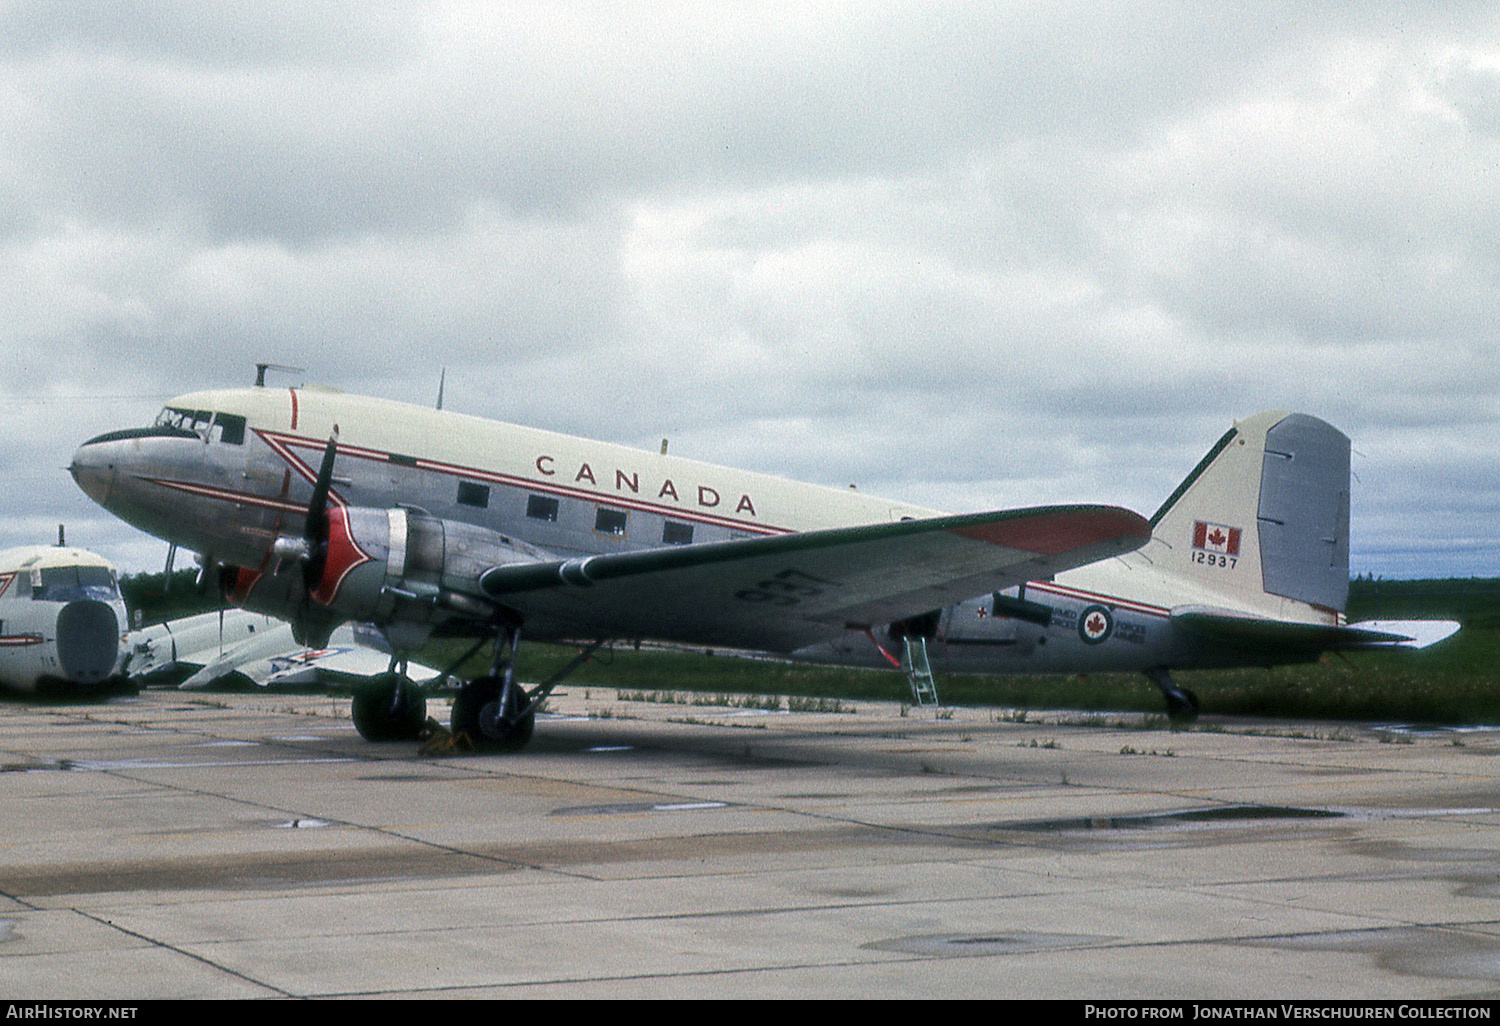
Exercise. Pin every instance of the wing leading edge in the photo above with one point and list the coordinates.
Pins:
(790, 591)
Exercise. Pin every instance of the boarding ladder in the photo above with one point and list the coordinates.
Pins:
(919, 671)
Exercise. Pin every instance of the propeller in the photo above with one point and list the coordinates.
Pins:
(311, 550)
(316, 531)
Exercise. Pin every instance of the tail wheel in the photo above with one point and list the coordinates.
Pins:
(1182, 706)
(388, 708)
(479, 712)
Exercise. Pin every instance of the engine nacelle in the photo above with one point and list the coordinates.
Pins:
(381, 562)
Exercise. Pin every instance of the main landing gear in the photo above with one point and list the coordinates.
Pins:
(1182, 704)
(389, 707)
(497, 711)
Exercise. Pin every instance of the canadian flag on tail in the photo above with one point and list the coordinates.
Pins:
(1216, 538)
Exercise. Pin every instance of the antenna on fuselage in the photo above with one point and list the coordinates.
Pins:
(261, 368)
(442, 379)
(60, 542)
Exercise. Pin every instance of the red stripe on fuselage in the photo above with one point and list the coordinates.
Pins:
(282, 444)
(1094, 598)
(225, 495)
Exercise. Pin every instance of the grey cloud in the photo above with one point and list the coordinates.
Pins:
(963, 255)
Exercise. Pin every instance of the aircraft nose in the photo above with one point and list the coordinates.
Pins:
(94, 467)
(88, 641)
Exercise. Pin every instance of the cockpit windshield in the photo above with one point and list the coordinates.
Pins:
(206, 424)
(70, 583)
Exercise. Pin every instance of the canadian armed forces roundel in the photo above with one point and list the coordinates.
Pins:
(1095, 624)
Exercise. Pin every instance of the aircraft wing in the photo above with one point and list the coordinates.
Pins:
(1247, 631)
(269, 656)
(783, 593)
(168, 652)
(350, 656)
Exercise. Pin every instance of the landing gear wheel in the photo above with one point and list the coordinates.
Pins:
(388, 708)
(1182, 706)
(478, 712)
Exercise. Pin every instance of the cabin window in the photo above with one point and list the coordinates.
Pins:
(610, 521)
(472, 494)
(541, 507)
(676, 533)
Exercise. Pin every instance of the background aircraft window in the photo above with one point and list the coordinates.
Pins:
(540, 507)
(471, 494)
(610, 521)
(674, 533)
(67, 583)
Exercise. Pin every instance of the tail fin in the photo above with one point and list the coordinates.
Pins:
(1266, 513)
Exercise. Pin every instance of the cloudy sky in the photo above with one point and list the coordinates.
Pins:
(969, 255)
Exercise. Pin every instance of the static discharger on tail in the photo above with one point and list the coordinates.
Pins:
(1247, 565)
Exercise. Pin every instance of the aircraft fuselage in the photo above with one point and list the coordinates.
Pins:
(230, 474)
(227, 473)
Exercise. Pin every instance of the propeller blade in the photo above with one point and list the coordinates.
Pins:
(316, 530)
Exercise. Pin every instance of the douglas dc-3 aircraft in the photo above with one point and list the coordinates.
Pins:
(321, 508)
(1248, 565)
(429, 522)
(62, 621)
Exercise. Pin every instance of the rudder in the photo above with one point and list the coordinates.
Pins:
(1264, 516)
(1304, 512)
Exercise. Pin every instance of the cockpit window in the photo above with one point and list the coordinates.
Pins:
(196, 421)
(228, 428)
(69, 583)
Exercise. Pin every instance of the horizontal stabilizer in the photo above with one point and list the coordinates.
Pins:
(1248, 631)
(1414, 633)
(785, 592)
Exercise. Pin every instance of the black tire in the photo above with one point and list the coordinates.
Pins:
(1182, 706)
(377, 714)
(477, 714)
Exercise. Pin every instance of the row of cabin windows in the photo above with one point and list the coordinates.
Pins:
(545, 507)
